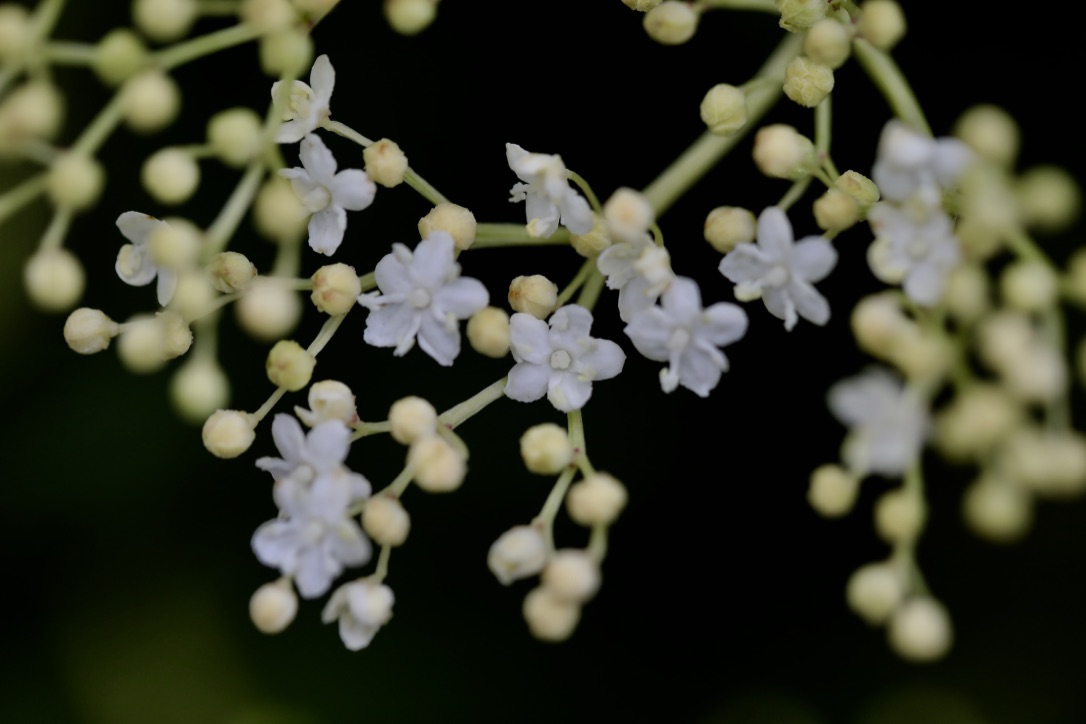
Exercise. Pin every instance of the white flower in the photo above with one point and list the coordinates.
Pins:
(780, 272)
(308, 456)
(888, 422)
(686, 336)
(639, 270)
(547, 194)
(913, 165)
(561, 361)
(362, 608)
(134, 265)
(917, 250)
(422, 294)
(308, 107)
(327, 194)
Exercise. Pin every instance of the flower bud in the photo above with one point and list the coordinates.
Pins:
(991, 132)
(437, 466)
(335, 289)
(997, 509)
(146, 342)
(519, 552)
(590, 244)
(1049, 462)
(828, 43)
(267, 16)
(329, 400)
(118, 56)
(34, 110)
(165, 20)
(288, 52)
(833, 491)
(385, 521)
(858, 186)
(671, 22)
(966, 296)
(807, 82)
(16, 33)
(456, 221)
(724, 109)
(411, 419)
(1003, 337)
(596, 500)
(572, 575)
(75, 181)
(546, 449)
(278, 213)
(171, 176)
(1038, 375)
(1030, 286)
(836, 211)
(550, 617)
(535, 295)
(268, 310)
(175, 245)
(231, 272)
(1049, 198)
(235, 136)
(89, 330)
(728, 226)
(386, 164)
(150, 101)
(781, 152)
(877, 324)
(628, 214)
(798, 15)
(290, 365)
(899, 516)
(976, 422)
(920, 629)
(228, 433)
(54, 279)
(881, 23)
(198, 388)
(273, 607)
(410, 17)
(488, 332)
(874, 591)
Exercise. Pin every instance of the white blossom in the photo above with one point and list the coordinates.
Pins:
(639, 270)
(327, 195)
(915, 247)
(134, 265)
(780, 272)
(548, 197)
(307, 107)
(362, 607)
(308, 456)
(913, 166)
(686, 336)
(559, 360)
(423, 295)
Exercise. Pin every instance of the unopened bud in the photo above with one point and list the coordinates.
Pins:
(231, 272)
(75, 181)
(991, 132)
(549, 616)
(874, 591)
(1049, 198)
(728, 226)
(535, 295)
(335, 289)
(290, 365)
(628, 214)
(832, 491)
(881, 23)
(781, 152)
(572, 574)
(268, 310)
(273, 607)
(228, 433)
(118, 56)
(437, 466)
(385, 521)
(456, 221)
(198, 388)
(546, 449)
(235, 136)
(807, 82)
(596, 500)
(175, 245)
(519, 552)
(329, 400)
(671, 22)
(267, 16)
(836, 211)
(828, 42)
(278, 213)
(150, 101)
(410, 17)
(488, 332)
(288, 52)
(590, 244)
(724, 109)
(165, 20)
(920, 630)
(386, 164)
(171, 176)
(411, 419)
(89, 330)
(54, 279)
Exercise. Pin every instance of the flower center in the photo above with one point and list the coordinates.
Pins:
(317, 199)
(419, 298)
(776, 277)
(312, 532)
(680, 338)
(560, 360)
(917, 248)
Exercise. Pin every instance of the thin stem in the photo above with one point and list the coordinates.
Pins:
(45, 19)
(16, 198)
(458, 414)
(411, 177)
(326, 334)
(95, 134)
(905, 550)
(70, 53)
(551, 506)
(212, 8)
(795, 193)
(597, 543)
(364, 429)
(889, 79)
(57, 229)
(182, 53)
(590, 293)
(582, 274)
(269, 404)
(824, 135)
(588, 192)
(347, 132)
(491, 236)
(382, 564)
(226, 223)
(576, 439)
(761, 6)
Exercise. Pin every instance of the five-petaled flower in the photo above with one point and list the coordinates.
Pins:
(362, 608)
(546, 192)
(307, 107)
(134, 265)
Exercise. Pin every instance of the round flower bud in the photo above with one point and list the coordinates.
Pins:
(386, 164)
(597, 239)
(178, 335)
(290, 365)
(1048, 462)
(991, 132)
(235, 136)
(997, 510)
(335, 289)
(807, 82)
(572, 574)
(671, 22)
(976, 422)
(145, 342)
(966, 296)
(724, 109)
(273, 607)
(456, 221)
(546, 448)
(171, 176)
(881, 23)
(75, 181)
(836, 211)
(118, 56)
(781, 152)
(410, 17)
(165, 20)
(798, 15)
(228, 433)
(596, 500)
(385, 521)
(329, 400)
(198, 388)
(411, 419)
(858, 186)
(1030, 286)
(488, 332)
(1003, 337)
(899, 516)
(232, 272)
(288, 52)
(828, 42)
(1049, 198)
(438, 467)
(278, 213)
(628, 214)
(89, 330)
(535, 295)
(878, 324)
(16, 32)
(267, 16)
(1038, 375)
(268, 310)
(833, 491)
(519, 552)
(874, 591)
(175, 245)
(920, 629)
(193, 296)
(728, 226)
(550, 617)
(54, 279)
(34, 110)
(150, 101)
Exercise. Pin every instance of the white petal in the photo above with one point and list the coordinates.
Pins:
(323, 78)
(134, 265)
(274, 542)
(924, 284)
(391, 274)
(336, 605)
(326, 229)
(542, 216)
(137, 227)
(567, 392)
(349, 544)
(434, 260)
(462, 297)
(288, 437)
(318, 160)
(527, 381)
(327, 444)
(811, 305)
(650, 331)
(314, 573)
(529, 339)
(576, 213)
(745, 263)
(389, 327)
(167, 285)
(813, 258)
(355, 634)
(438, 341)
(602, 363)
(292, 131)
(780, 305)
(723, 323)
(514, 155)
(699, 371)
(352, 189)
(682, 300)
(569, 325)
(774, 233)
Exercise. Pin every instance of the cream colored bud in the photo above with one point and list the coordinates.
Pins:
(596, 500)
(807, 82)
(268, 310)
(150, 101)
(597, 239)
(118, 56)
(175, 245)
(642, 6)
(858, 186)
(235, 136)
(290, 365)
(385, 521)
(997, 509)
(551, 617)
(329, 400)
(198, 388)
(410, 17)
(781, 152)
(267, 16)
(34, 109)
(976, 422)
(1049, 198)
(572, 575)
(16, 32)
(882, 23)
(874, 591)
(171, 176)
(335, 289)
(54, 279)
(921, 354)
(1030, 286)
(628, 214)
(231, 272)
(178, 334)
(1004, 337)
(836, 211)
(75, 181)
(520, 552)
(456, 221)
(289, 52)
(411, 419)
(828, 42)
(278, 213)
(89, 330)
(724, 109)
(832, 491)
(920, 629)
(438, 467)
(1038, 375)
(1051, 463)
(671, 22)
(386, 164)
(165, 20)
(899, 516)
(728, 226)
(273, 606)
(798, 15)
(991, 132)
(967, 297)
(228, 433)
(146, 342)
(546, 449)
(488, 332)
(878, 323)
(535, 295)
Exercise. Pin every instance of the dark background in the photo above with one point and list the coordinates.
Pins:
(126, 546)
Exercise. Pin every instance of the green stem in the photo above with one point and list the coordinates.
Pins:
(411, 177)
(382, 564)
(226, 223)
(824, 135)
(889, 79)
(492, 236)
(761, 6)
(590, 293)
(795, 193)
(326, 334)
(552, 505)
(69, 53)
(458, 414)
(588, 192)
(16, 198)
(98, 131)
(567, 293)
(905, 550)
(576, 438)
(57, 229)
(213, 8)
(182, 53)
